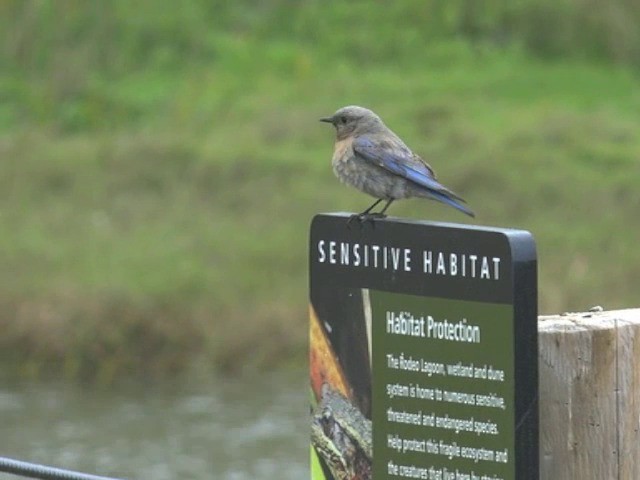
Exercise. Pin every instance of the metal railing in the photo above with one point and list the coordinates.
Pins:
(34, 470)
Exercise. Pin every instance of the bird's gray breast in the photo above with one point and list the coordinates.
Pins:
(357, 172)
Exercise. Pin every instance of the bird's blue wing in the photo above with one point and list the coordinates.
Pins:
(395, 157)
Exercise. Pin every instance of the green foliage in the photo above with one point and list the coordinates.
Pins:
(161, 163)
(86, 65)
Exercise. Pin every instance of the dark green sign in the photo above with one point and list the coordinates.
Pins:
(423, 351)
(442, 400)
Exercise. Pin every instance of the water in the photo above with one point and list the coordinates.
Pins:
(244, 429)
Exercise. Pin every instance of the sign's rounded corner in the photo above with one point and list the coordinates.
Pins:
(314, 220)
(522, 244)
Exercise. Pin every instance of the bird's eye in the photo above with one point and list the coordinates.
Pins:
(343, 120)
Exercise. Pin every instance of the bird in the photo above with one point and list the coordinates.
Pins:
(370, 157)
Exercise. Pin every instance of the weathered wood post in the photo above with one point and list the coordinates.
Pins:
(589, 368)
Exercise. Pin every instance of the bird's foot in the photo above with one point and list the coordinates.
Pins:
(365, 217)
(373, 216)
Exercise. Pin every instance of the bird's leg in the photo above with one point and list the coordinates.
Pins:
(375, 204)
(364, 215)
(369, 215)
(389, 202)
(379, 214)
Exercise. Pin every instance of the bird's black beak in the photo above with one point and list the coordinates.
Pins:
(327, 119)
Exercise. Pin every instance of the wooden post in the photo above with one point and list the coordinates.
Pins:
(590, 395)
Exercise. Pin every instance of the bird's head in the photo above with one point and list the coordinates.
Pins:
(353, 120)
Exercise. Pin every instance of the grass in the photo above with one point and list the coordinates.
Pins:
(155, 214)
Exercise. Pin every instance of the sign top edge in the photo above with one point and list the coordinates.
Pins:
(508, 232)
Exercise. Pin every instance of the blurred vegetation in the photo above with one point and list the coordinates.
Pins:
(161, 161)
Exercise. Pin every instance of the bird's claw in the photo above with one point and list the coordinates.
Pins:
(365, 217)
(372, 216)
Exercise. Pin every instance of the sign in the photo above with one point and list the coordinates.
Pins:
(423, 356)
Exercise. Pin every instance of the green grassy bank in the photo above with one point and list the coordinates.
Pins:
(160, 167)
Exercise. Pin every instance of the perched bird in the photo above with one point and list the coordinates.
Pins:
(369, 156)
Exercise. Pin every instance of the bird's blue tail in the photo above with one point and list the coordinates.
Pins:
(441, 197)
